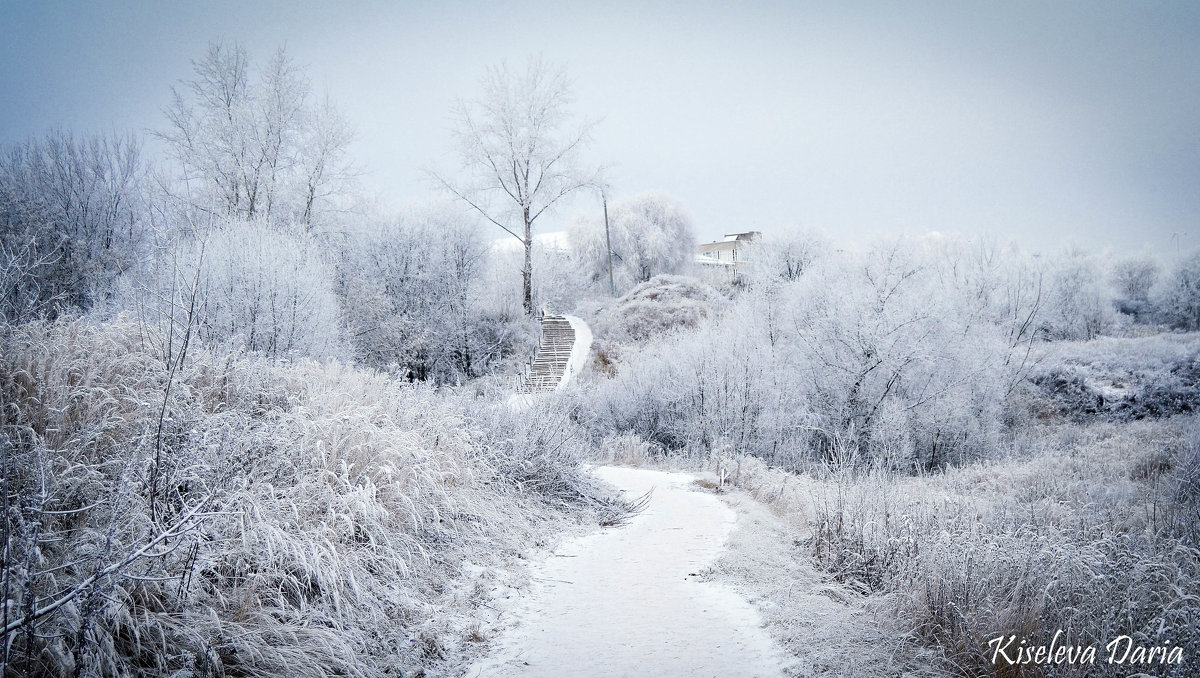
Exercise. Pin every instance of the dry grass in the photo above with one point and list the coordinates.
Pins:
(830, 629)
(338, 510)
(1095, 532)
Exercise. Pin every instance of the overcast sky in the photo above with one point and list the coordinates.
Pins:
(1041, 122)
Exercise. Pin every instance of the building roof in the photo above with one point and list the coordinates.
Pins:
(737, 237)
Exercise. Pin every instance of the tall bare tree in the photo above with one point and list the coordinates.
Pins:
(256, 148)
(519, 152)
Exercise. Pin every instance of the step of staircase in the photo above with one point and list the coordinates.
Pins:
(546, 369)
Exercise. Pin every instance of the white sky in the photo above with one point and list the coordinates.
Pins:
(1043, 122)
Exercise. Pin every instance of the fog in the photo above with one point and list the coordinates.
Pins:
(1043, 124)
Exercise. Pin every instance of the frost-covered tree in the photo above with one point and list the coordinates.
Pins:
(649, 234)
(887, 347)
(236, 286)
(867, 355)
(519, 153)
(415, 296)
(1079, 303)
(254, 144)
(1002, 286)
(266, 290)
(1134, 276)
(784, 255)
(72, 218)
(1179, 299)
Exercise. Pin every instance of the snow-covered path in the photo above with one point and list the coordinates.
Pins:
(580, 350)
(626, 601)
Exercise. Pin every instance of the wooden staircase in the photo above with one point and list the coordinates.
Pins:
(546, 370)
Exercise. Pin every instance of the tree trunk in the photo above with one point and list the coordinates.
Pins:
(527, 271)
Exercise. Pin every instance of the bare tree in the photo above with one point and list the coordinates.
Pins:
(255, 148)
(519, 157)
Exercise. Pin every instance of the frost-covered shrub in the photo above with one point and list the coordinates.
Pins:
(238, 286)
(1079, 304)
(266, 289)
(1075, 538)
(536, 450)
(1178, 301)
(1185, 476)
(870, 351)
(1134, 277)
(628, 449)
(705, 391)
(658, 307)
(885, 346)
(416, 298)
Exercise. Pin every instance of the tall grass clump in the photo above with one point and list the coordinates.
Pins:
(1094, 536)
(238, 516)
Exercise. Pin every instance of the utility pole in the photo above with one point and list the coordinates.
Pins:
(612, 289)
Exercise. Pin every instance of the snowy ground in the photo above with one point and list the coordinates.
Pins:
(629, 600)
(829, 630)
(579, 350)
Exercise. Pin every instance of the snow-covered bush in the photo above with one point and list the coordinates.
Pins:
(865, 351)
(266, 289)
(1178, 301)
(658, 307)
(703, 391)
(1089, 536)
(233, 286)
(1079, 303)
(415, 297)
(1134, 277)
(889, 355)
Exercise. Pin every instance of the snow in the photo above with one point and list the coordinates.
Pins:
(521, 402)
(627, 601)
(579, 350)
(1111, 391)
